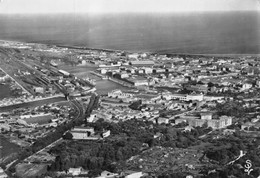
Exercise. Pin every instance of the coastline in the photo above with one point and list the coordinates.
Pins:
(133, 51)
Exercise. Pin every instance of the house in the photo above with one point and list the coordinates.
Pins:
(103, 71)
(206, 115)
(182, 97)
(64, 73)
(91, 118)
(258, 83)
(196, 122)
(133, 174)
(130, 70)
(138, 81)
(198, 88)
(159, 70)
(188, 129)
(158, 135)
(83, 133)
(247, 125)
(140, 71)
(75, 171)
(148, 70)
(40, 90)
(106, 133)
(2, 173)
(142, 63)
(246, 86)
(193, 97)
(206, 118)
(222, 122)
(119, 94)
(106, 174)
(162, 120)
(124, 75)
(133, 56)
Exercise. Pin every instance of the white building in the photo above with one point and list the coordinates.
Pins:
(133, 56)
(158, 70)
(103, 71)
(134, 175)
(194, 97)
(75, 171)
(83, 133)
(138, 81)
(246, 86)
(223, 122)
(91, 118)
(124, 75)
(2, 173)
(206, 115)
(106, 174)
(162, 120)
(148, 70)
(187, 97)
(119, 94)
(63, 72)
(106, 134)
(39, 90)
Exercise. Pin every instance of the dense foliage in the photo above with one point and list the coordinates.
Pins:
(128, 139)
(233, 108)
(92, 155)
(226, 149)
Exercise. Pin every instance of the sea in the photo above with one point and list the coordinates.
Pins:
(197, 33)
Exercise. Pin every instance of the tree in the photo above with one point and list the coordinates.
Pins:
(136, 105)
(68, 136)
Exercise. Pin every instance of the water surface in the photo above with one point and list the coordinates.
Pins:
(209, 33)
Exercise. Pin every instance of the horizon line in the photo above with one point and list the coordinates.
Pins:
(130, 12)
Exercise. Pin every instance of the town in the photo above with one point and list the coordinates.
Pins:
(74, 111)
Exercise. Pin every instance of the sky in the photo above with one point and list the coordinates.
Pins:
(124, 6)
